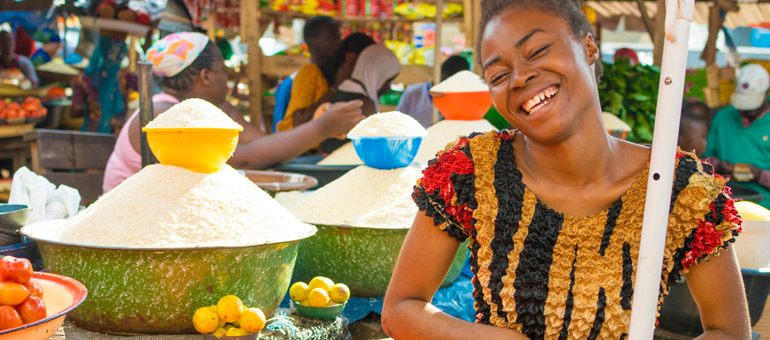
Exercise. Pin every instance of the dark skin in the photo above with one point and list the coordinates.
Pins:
(692, 136)
(726, 168)
(321, 49)
(567, 160)
(256, 149)
(6, 48)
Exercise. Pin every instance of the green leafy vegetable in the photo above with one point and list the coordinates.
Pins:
(631, 93)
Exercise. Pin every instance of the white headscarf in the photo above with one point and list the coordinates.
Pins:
(375, 65)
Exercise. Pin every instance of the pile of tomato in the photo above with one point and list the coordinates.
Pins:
(21, 298)
(30, 107)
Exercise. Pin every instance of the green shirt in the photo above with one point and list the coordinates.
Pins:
(729, 140)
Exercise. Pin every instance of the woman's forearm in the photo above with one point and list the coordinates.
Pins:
(412, 319)
(715, 334)
(278, 147)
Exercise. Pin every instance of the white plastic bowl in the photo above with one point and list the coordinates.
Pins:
(752, 247)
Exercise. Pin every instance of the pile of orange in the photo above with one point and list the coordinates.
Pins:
(17, 112)
(21, 298)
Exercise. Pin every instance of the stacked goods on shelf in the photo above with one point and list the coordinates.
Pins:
(110, 9)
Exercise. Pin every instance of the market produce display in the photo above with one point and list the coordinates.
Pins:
(21, 111)
(164, 206)
(439, 135)
(320, 292)
(363, 197)
(111, 9)
(751, 248)
(229, 317)
(631, 93)
(21, 298)
(388, 124)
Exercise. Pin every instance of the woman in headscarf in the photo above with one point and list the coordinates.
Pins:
(192, 67)
(375, 69)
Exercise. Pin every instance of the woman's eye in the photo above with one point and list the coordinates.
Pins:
(496, 79)
(539, 51)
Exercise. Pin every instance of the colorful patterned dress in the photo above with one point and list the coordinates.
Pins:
(553, 276)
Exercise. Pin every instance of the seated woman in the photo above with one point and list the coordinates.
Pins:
(375, 69)
(338, 68)
(192, 67)
(554, 210)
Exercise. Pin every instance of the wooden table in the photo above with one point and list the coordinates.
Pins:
(13, 146)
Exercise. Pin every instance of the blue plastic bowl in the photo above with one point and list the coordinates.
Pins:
(387, 152)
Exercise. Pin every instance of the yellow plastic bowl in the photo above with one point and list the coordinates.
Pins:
(202, 150)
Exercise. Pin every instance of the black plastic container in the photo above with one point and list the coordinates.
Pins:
(27, 250)
(679, 313)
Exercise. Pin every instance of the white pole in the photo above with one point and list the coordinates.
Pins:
(670, 92)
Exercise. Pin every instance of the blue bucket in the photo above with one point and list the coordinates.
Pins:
(387, 152)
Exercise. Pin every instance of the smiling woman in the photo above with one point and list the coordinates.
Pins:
(553, 211)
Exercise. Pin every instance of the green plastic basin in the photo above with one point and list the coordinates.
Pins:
(362, 258)
(156, 291)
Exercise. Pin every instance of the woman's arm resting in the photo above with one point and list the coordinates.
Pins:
(425, 258)
(717, 287)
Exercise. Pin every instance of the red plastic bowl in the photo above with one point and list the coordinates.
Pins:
(462, 105)
(61, 295)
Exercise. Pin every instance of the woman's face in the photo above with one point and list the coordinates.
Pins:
(218, 80)
(540, 76)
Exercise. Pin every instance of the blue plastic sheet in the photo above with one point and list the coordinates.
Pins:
(456, 300)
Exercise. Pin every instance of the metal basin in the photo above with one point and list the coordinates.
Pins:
(156, 291)
(12, 217)
(275, 181)
(362, 258)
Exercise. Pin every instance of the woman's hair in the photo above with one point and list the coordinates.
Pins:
(569, 10)
(354, 43)
(183, 80)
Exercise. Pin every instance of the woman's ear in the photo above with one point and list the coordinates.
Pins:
(205, 77)
(591, 48)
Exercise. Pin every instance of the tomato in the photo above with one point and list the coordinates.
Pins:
(12, 293)
(32, 309)
(16, 269)
(9, 318)
(34, 288)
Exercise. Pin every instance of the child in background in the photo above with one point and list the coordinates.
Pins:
(694, 128)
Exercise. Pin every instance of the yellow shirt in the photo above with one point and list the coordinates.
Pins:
(308, 87)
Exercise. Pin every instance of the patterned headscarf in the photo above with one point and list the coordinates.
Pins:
(375, 65)
(175, 52)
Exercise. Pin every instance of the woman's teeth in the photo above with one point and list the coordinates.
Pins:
(539, 100)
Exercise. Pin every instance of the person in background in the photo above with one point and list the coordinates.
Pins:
(699, 109)
(24, 44)
(553, 212)
(338, 68)
(693, 128)
(322, 35)
(375, 69)
(739, 140)
(100, 93)
(51, 45)
(192, 67)
(341, 65)
(416, 100)
(10, 61)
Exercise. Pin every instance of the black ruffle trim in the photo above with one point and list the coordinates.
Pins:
(609, 227)
(510, 197)
(685, 169)
(483, 310)
(532, 273)
(627, 290)
(569, 303)
(599, 320)
(425, 202)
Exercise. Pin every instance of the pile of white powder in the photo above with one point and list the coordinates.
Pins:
(363, 197)
(388, 124)
(439, 135)
(463, 81)
(164, 206)
(194, 113)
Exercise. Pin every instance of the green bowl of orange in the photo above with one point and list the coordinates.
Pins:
(319, 299)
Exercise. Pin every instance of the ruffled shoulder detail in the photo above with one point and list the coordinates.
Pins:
(446, 192)
(703, 218)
